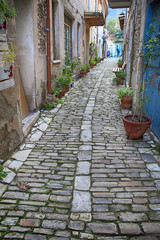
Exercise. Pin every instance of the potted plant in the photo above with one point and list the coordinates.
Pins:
(92, 62)
(118, 80)
(120, 63)
(97, 59)
(63, 83)
(120, 77)
(82, 71)
(125, 94)
(87, 66)
(6, 12)
(136, 124)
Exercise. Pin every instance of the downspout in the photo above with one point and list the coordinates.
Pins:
(48, 48)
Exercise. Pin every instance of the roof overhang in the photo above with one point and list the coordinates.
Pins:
(119, 3)
(94, 18)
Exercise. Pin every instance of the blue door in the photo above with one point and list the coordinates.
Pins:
(152, 108)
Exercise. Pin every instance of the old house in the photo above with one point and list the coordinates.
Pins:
(139, 15)
(42, 33)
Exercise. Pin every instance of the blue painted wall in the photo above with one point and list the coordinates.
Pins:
(152, 108)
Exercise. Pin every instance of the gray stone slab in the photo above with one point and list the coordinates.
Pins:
(15, 165)
(83, 168)
(103, 228)
(151, 228)
(10, 176)
(157, 182)
(155, 175)
(43, 127)
(54, 224)
(149, 158)
(84, 155)
(3, 188)
(82, 182)
(153, 167)
(21, 155)
(81, 201)
(85, 147)
(36, 136)
(86, 136)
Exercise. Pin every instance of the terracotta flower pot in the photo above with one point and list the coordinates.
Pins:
(126, 102)
(66, 88)
(136, 130)
(121, 82)
(92, 65)
(82, 73)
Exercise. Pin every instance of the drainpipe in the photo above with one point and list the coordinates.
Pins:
(48, 48)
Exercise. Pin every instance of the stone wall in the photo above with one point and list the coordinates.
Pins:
(133, 36)
(41, 22)
(10, 116)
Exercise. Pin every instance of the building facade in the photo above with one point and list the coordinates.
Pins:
(139, 15)
(42, 33)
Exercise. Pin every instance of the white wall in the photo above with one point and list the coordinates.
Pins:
(24, 30)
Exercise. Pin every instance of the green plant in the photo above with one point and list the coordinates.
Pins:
(72, 63)
(63, 81)
(83, 68)
(6, 11)
(58, 101)
(87, 67)
(126, 91)
(91, 61)
(116, 79)
(48, 106)
(121, 74)
(2, 173)
(10, 54)
(97, 59)
(120, 62)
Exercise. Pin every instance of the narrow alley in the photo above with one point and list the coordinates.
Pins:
(83, 179)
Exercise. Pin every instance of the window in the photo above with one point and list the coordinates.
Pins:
(68, 35)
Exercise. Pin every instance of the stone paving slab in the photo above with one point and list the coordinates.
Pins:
(77, 176)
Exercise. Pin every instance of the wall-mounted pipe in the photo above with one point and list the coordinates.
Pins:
(48, 48)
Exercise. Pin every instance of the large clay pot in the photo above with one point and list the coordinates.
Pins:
(126, 102)
(136, 130)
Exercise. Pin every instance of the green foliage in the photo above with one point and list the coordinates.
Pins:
(64, 81)
(118, 34)
(6, 10)
(2, 173)
(112, 27)
(116, 79)
(120, 62)
(56, 92)
(121, 74)
(126, 91)
(72, 63)
(91, 61)
(87, 67)
(48, 106)
(58, 101)
(10, 54)
(97, 59)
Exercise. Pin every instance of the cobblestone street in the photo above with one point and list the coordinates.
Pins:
(80, 177)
